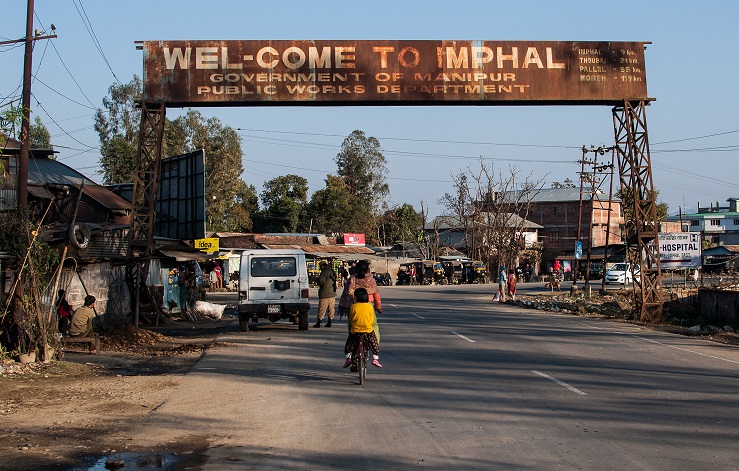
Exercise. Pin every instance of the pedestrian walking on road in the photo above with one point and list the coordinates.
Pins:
(213, 281)
(512, 285)
(502, 278)
(326, 294)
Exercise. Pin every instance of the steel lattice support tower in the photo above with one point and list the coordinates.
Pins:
(143, 204)
(637, 188)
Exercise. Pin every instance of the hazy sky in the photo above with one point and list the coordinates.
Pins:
(691, 72)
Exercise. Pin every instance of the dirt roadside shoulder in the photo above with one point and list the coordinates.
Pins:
(62, 414)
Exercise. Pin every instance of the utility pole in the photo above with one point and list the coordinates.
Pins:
(26, 110)
(608, 225)
(576, 262)
(595, 183)
(26, 103)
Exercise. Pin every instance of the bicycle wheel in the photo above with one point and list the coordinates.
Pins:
(361, 362)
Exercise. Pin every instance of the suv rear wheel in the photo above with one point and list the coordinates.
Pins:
(303, 320)
(244, 325)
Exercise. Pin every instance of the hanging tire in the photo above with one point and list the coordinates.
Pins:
(79, 235)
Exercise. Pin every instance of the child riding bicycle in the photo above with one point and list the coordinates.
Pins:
(361, 319)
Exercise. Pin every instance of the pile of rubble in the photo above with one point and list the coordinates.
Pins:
(609, 305)
(11, 368)
(679, 318)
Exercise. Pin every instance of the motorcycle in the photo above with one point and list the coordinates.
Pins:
(383, 279)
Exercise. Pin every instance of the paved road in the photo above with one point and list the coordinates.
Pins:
(466, 384)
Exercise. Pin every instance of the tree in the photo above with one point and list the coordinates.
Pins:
(459, 203)
(330, 209)
(10, 126)
(228, 198)
(225, 192)
(38, 135)
(118, 127)
(627, 203)
(568, 183)
(246, 205)
(501, 207)
(363, 167)
(400, 224)
(492, 209)
(284, 199)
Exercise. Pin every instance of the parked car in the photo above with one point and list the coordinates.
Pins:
(620, 273)
(273, 284)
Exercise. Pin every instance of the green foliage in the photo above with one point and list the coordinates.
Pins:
(229, 201)
(400, 224)
(10, 127)
(568, 183)
(363, 167)
(627, 203)
(118, 127)
(246, 204)
(330, 209)
(284, 199)
(225, 192)
(38, 135)
(36, 261)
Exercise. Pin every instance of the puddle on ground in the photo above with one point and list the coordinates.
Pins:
(132, 461)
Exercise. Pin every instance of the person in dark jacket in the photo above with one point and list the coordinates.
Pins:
(64, 311)
(326, 294)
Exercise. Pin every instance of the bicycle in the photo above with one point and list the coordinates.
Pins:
(362, 357)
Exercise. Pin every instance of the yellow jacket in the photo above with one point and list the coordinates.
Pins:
(361, 318)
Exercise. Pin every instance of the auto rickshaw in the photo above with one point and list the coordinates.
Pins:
(481, 273)
(313, 274)
(453, 271)
(468, 272)
(439, 277)
(404, 274)
(425, 272)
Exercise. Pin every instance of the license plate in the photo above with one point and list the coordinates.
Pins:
(273, 308)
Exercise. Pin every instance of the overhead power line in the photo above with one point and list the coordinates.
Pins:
(434, 141)
(88, 24)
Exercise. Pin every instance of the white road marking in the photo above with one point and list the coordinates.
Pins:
(561, 383)
(393, 306)
(463, 337)
(686, 350)
(420, 317)
(662, 343)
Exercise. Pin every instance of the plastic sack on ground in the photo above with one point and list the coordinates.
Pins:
(209, 310)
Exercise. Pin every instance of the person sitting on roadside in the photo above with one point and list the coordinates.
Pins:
(81, 325)
(64, 311)
(361, 321)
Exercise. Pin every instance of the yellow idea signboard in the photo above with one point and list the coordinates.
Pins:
(207, 245)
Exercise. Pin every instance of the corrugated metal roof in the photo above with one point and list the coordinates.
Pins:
(323, 249)
(43, 171)
(452, 222)
(557, 195)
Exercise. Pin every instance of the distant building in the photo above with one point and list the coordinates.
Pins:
(718, 224)
(557, 211)
(450, 230)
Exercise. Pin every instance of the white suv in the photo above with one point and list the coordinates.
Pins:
(273, 284)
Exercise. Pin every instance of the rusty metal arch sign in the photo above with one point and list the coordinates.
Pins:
(413, 72)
